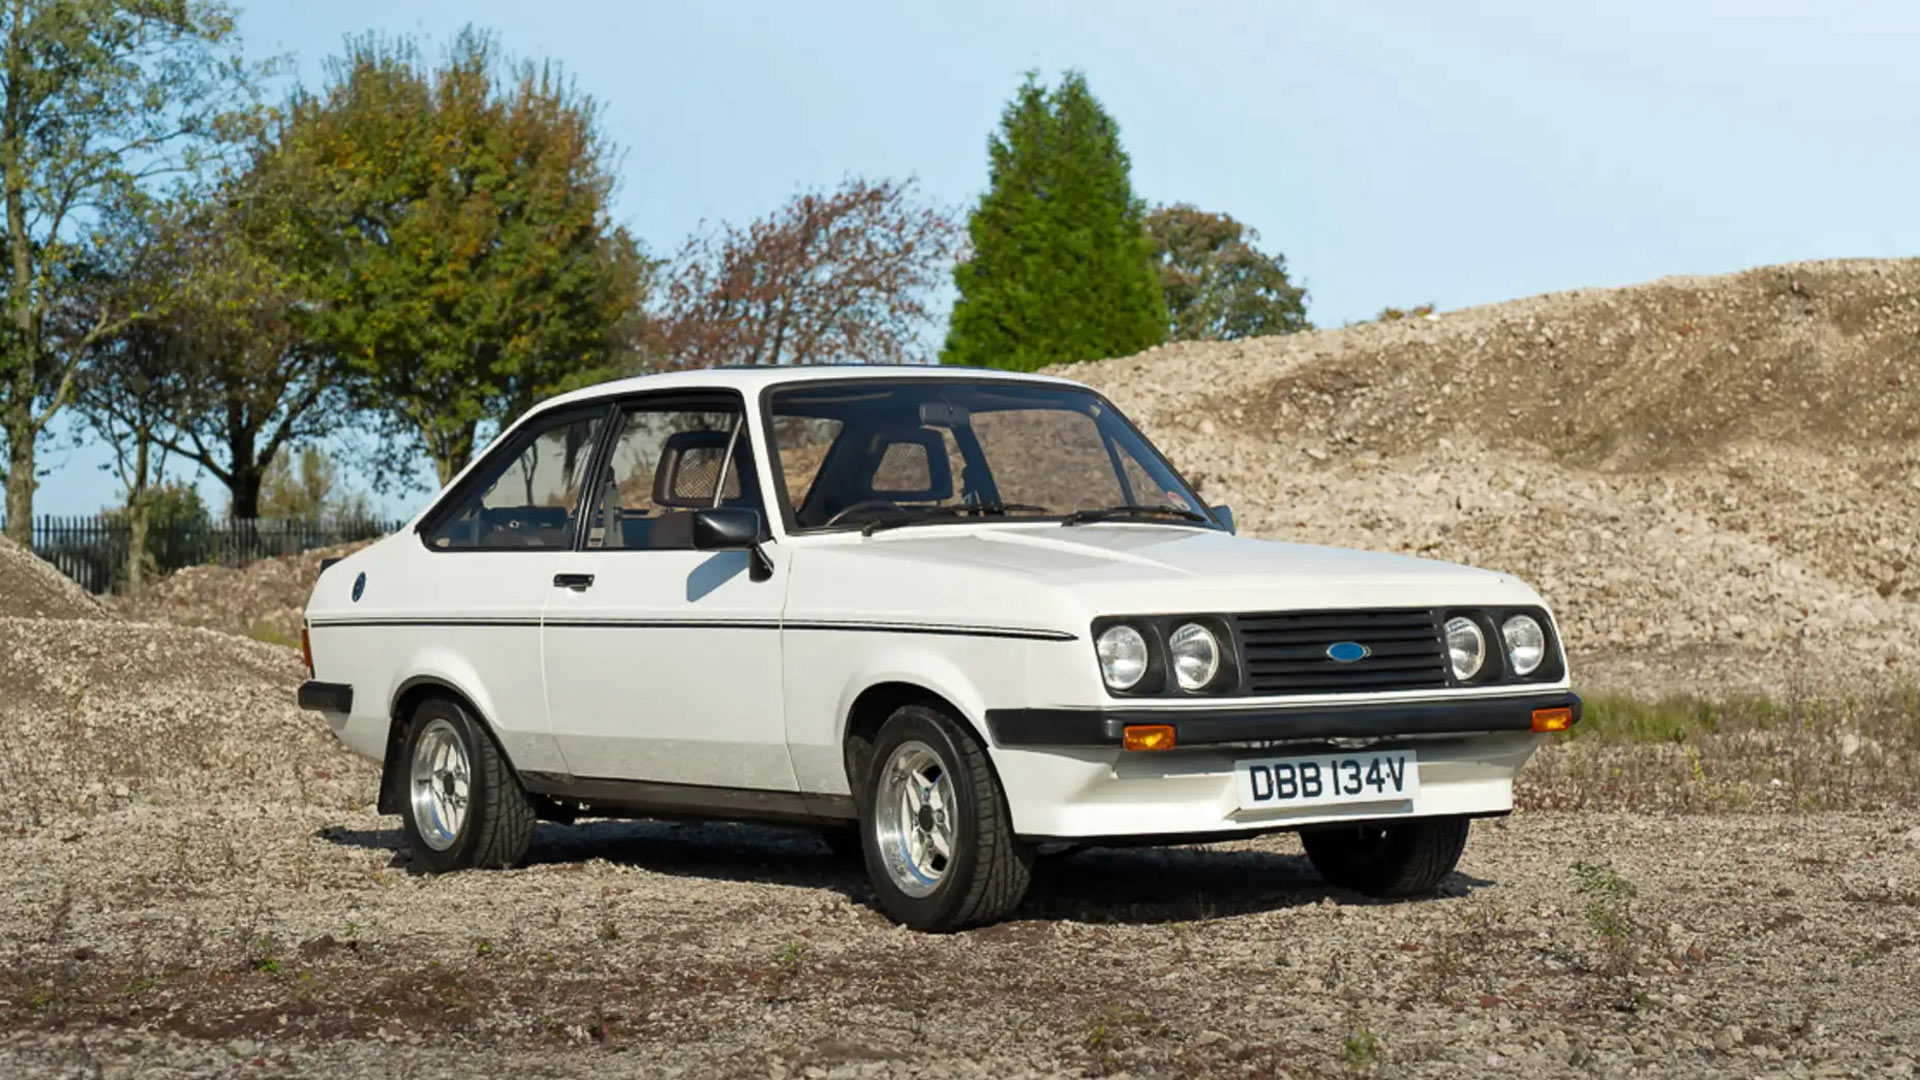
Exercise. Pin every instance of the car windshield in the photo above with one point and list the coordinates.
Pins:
(873, 454)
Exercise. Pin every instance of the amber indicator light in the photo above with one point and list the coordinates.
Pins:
(1148, 737)
(1559, 718)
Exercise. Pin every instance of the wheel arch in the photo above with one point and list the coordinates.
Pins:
(873, 697)
(405, 699)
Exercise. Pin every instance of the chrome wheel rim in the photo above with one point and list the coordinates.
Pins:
(441, 783)
(914, 815)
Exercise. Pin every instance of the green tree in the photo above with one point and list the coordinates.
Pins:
(175, 535)
(1060, 268)
(242, 328)
(97, 97)
(1218, 285)
(306, 487)
(132, 384)
(457, 236)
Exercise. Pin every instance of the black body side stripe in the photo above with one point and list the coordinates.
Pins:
(929, 628)
(501, 621)
(1014, 632)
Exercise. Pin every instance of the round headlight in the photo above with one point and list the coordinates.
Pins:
(1123, 656)
(1466, 648)
(1196, 656)
(1526, 643)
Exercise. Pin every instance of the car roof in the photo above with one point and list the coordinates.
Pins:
(749, 380)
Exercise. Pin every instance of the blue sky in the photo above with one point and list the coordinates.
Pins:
(1396, 153)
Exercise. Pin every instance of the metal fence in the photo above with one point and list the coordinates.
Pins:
(92, 550)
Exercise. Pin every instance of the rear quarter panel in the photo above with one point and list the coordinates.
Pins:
(415, 621)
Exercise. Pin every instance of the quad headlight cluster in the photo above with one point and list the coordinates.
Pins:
(1189, 654)
(1521, 635)
(1196, 654)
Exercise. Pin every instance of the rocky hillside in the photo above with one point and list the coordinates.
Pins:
(266, 599)
(31, 587)
(101, 711)
(1715, 481)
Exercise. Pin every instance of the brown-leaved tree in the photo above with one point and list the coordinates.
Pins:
(843, 275)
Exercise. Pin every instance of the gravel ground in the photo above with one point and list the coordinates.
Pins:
(288, 939)
(1700, 475)
(30, 587)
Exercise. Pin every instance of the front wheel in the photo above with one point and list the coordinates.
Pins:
(935, 827)
(464, 807)
(1406, 858)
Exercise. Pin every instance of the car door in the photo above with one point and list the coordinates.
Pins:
(662, 661)
(493, 546)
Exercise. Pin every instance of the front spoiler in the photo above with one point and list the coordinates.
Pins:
(1204, 727)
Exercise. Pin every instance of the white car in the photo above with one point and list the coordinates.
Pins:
(959, 613)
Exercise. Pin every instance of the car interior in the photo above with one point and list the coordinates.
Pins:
(692, 466)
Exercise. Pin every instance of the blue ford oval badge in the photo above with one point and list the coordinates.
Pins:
(359, 586)
(1346, 652)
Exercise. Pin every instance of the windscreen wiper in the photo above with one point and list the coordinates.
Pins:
(905, 516)
(1108, 513)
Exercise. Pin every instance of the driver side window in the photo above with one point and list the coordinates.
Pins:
(531, 499)
(665, 464)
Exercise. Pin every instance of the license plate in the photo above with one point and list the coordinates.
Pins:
(1326, 779)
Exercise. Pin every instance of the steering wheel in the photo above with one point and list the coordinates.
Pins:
(864, 504)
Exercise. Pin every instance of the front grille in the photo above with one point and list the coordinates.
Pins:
(1286, 652)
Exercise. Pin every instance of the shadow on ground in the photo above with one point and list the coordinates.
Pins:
(1137, 885)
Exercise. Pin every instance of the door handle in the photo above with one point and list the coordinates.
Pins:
(576, 582)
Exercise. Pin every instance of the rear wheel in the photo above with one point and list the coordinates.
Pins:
(1406, 858)
(934, 824)
(462, 807)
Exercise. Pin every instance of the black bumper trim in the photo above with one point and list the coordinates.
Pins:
(326, 696)
(1200, 727)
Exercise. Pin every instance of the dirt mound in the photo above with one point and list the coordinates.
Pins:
(102, 712)
(1714, 480)
(263, 600)
(30, 588)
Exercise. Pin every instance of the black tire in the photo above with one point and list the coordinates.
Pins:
(1407, 858)
(499, 819)
(989, 870)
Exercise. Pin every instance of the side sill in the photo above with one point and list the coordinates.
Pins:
(327, 697)
(649, 798)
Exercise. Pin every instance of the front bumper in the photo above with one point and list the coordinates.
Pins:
(1068, 727)
(1066, 776)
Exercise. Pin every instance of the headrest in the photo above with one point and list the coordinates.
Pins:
(910, 465)
(690, 465)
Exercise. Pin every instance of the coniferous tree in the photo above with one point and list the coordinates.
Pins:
(1060, 268)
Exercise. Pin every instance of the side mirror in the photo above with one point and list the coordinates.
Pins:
(1224, 515)
(732, 528)
(725, 528)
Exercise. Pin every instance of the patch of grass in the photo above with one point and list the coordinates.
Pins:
(793, 956)
(1113, 1029)
(1361, 1053)
(269, 635)
(1701, 755)
(1607, 900)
